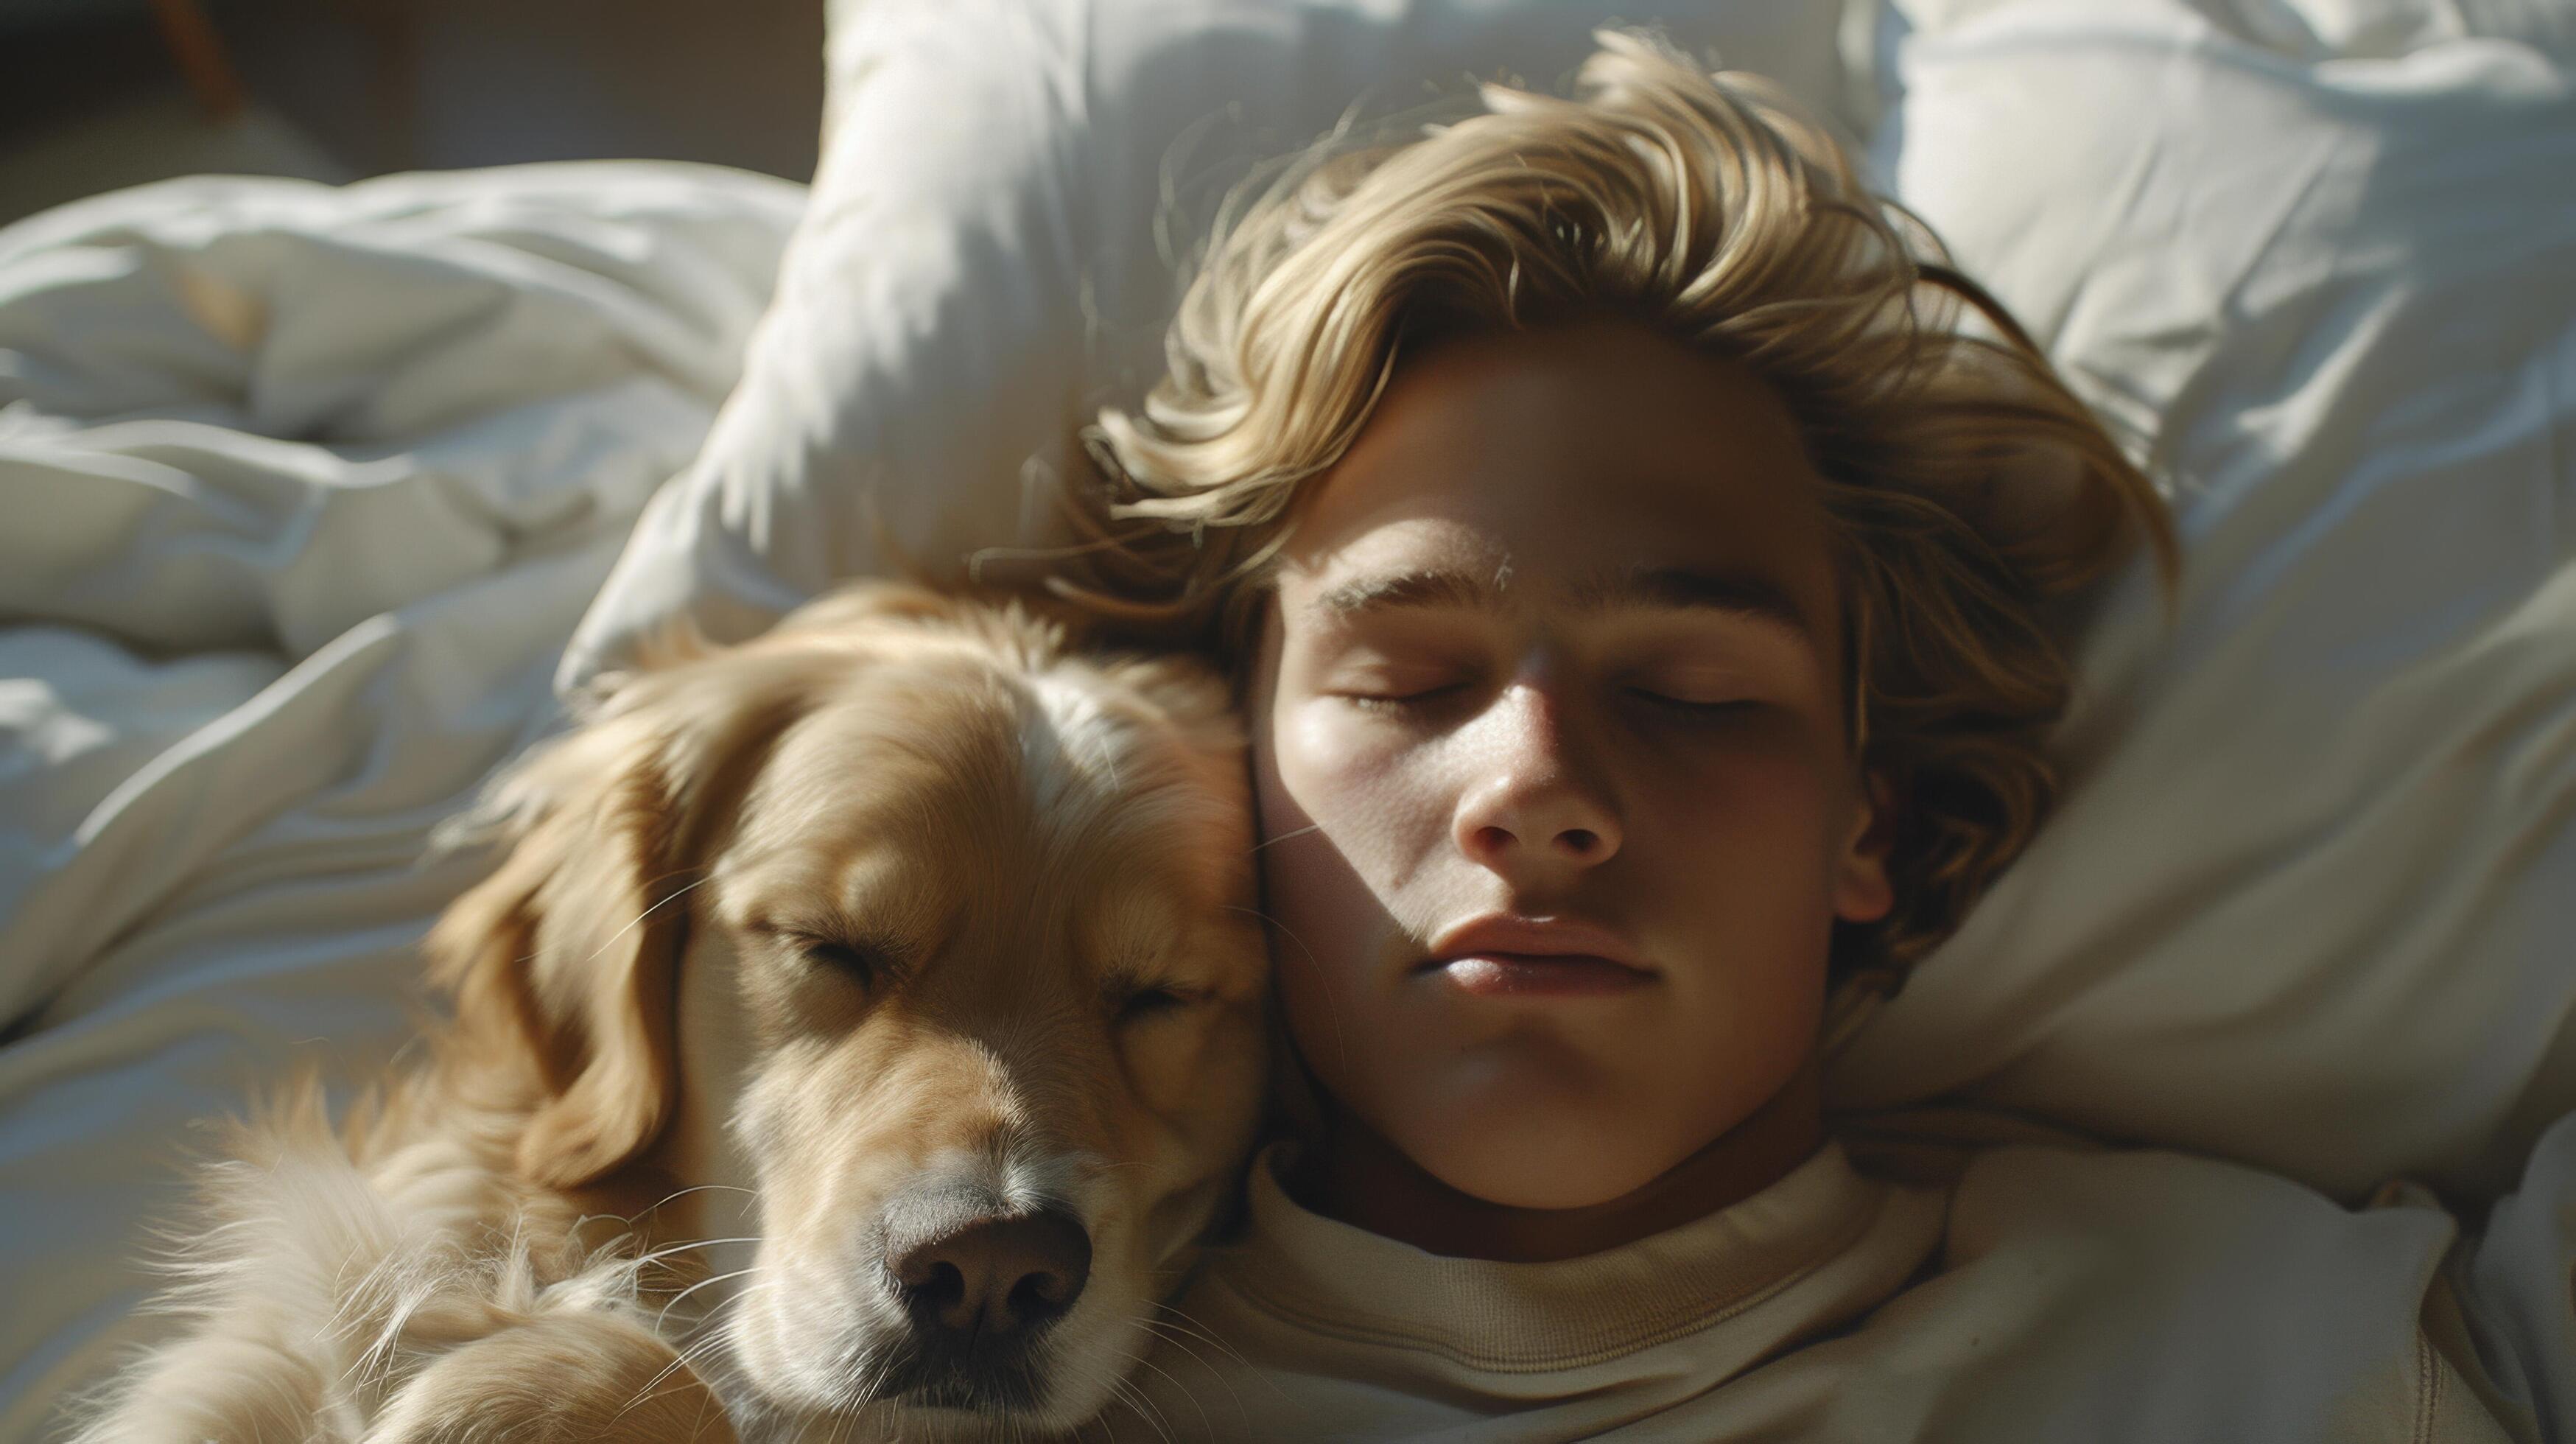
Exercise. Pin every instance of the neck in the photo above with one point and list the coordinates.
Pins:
(1363, 1180)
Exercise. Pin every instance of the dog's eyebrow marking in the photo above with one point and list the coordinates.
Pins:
(1078, 728)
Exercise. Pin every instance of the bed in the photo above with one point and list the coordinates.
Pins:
(305, 490)
(311, 500)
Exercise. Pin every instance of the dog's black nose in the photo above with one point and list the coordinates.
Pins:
(987, 1278)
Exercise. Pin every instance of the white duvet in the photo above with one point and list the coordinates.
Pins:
(301, 492)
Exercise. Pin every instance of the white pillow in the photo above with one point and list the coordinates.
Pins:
(981, 265)
(2311, 897)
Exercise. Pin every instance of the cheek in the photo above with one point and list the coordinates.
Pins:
(1332, 858)
(1192, 1106)
(1742, 866)
(1348, 822)
(788, 1150)
(1310, 753)
(1193, 1075)
(830, 1124)
(1378, 801)
(1767, 806)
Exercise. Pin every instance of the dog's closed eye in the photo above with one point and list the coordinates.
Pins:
(862, 963)
(1136, 1002)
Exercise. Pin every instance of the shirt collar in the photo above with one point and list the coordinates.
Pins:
(1336, 1279)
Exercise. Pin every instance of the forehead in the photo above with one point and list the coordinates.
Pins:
(927, 800)
(1556, 464)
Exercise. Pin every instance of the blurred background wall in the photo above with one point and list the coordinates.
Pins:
(98, 94)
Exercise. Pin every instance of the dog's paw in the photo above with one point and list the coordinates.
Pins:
(572, 1378)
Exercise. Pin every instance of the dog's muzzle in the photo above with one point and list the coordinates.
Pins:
(980, 1280)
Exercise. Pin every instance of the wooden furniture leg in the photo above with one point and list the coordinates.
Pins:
(200, 52)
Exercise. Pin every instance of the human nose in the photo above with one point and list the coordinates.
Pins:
(1534, 809)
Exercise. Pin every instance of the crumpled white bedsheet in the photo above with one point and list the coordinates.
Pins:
(301, 492)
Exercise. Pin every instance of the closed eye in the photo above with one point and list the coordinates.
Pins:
(1434, 696)
(1136, 1005)
(1690, 708)
(864, 965)
(1395, 701)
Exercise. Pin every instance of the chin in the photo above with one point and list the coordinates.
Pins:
(1547, 1158)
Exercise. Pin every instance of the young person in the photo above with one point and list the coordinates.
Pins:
(1646, 563)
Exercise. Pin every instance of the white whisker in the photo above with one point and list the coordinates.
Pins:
(1283, 837)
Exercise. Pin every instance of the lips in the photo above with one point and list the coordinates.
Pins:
(1509, 955)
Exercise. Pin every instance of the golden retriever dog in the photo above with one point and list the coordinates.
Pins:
(864, 1024)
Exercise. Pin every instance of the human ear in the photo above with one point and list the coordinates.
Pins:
(1862, 892)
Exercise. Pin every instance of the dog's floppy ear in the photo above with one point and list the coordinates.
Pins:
(564, 962)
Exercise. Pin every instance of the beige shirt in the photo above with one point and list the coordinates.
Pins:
(2038, 1294)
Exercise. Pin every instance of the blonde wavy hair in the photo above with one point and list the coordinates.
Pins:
(1970, 491)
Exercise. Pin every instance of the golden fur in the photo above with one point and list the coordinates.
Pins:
(908, 889)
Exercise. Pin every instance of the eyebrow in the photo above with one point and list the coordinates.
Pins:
(1738, 594)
